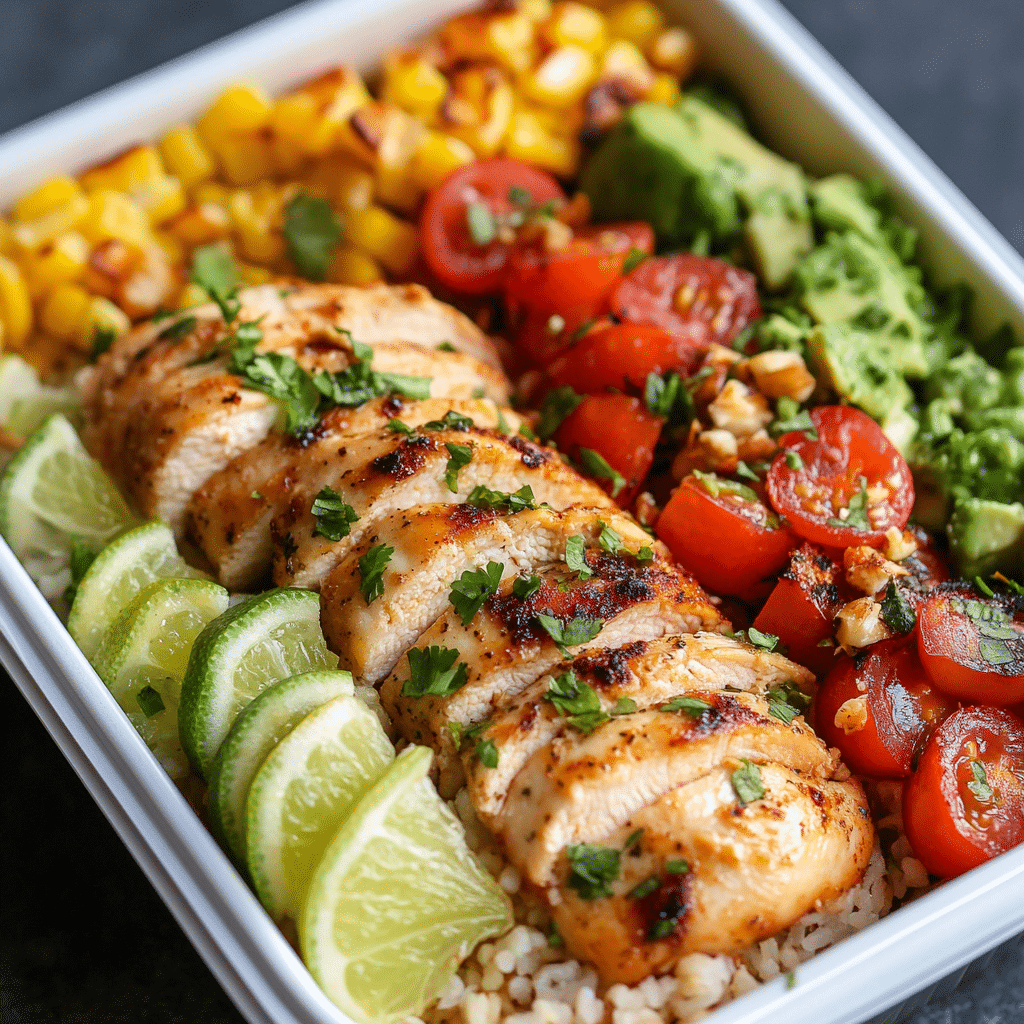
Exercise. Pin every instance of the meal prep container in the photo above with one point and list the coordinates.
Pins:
(809, 110)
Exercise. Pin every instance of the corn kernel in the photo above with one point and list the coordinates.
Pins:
(575, 24)
(65, 312)
(192, 295)
(437, 157)
(125, 171)
(309, 119)
(105, 316)
(674, 50)
(397, 189)
(47, 197)
(257, 216)
(538, 11)
(624, 60)
(300, 130)
(186, 156)
(413, 83)
(380, 134)
(15, 303)
(6, 238)
(530, 141)
(388, 239)
(246, 159)
(33, 234)
(664, 90)
(352, 266)
(170, 246)
(111, 263)
(478, 109)
(503, 36)
(114, 215)
(199, 225)
(638, 21)
(64, 259)
(342, 183)
(239, 110)
(562, 77)
(251, 274)
(211, 192)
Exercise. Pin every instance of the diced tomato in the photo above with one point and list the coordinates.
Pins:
(846, 487)
(446, 241)
(622, 355)
(973, 647)
(801, 607)
(541, 335)
(696, 297)
(725, 535)
(879, 708)
(964, 804)
(621, 431)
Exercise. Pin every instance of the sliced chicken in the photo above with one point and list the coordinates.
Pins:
(581, 786)
(433, 546)
(646, 673)
(710, 874)
(381, 473)
(229, 516)
(506, 647)
(163, 413)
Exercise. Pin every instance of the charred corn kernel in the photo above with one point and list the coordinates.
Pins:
(114, 215)
(192, 295)
(139, 173)
(380, 134)
(342, 183)
(15, 303)
(246, 159)
(624, 60)
(478, 109)
(674, 50)
(105, 316)
(185, 155)
(664, 90)
(161, 199)
(505, 36)
(62, 260)
(211, 192)
(308, 119)
(251, 274)
(170, 246)
(573, 24)
(562, 77)
(109, 266)
(530, 141)
(413, 83)
(639, 21)
(396, 189)
(33, 234)
(239, 110)
(257, 216)
(353, 266)
(47, 197)
(199, 225)
(437, 157)
(390, 240)
(65, 312)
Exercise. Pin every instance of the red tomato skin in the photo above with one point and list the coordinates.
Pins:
(621, 356)
(722, 299)
(902, 708)
(721, 541)
(948, 645)
(950, 830)
(448, 249)
(802, 605)
(621, 430)
(850, 445)
(539, 344)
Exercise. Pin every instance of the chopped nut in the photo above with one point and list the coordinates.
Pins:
(758, 446)
(645, 508)
(739, 410)
(780, 374)
(859, 624)
(899, 544)
(852, 715)
(868, 570)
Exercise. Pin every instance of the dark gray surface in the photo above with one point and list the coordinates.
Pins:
(83, 936)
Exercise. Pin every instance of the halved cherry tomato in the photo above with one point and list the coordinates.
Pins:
(541, 335)
(847, 487)
(696, 297)
(802, 606)
(725, 535)
(581, 273)
(965, 802)
(619, 355)
(621, 431)
(973, 647)
(448, 248)
(879, 708)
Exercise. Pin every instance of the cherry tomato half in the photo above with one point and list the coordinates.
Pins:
(965, 802)
(448, 247)
(696, 297)
(879, 708)
(725, 536)
(845, 488)
(972, 647)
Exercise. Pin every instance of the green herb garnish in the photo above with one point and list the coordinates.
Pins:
(596, 465)
(459, 455)
(693, 706)
(579, 631)
(473, 587)
(747, 782)
(896, 612)
(577, 701)
(334, 517)
(525, 586)
(434, 671)
(311, 229)
(371, 571)
(593, 868)
(576, 557)
(150, 701)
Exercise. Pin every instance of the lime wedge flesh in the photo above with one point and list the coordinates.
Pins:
(263, 639)
(304, 792)
(258, 729)
(142, 658)
(397, 899)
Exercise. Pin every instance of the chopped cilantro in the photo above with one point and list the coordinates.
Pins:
(593, 868)
(769, 641)
(677, 867)
(459, 455)
(334, 517)
(487, 753)
(579, 631)
(371, 571)
(150, 701)
(519, 196)
(609, 540)
(451, 420)
(896, 612)
(633, 260)
(555, 941)
(978, 785)
(484, 497)
(557, 405)
(789, 418)
(434, 671)
(693, 706)
(280, 377)
(311, 230)
(525, 586)
(645, 554)
(645, 888)
(747, 783)
(793, 460)
(857, 510)
(483, 227)
(744, 471)
(669, 396)
(786, 701)
(446, 346)
(473, 587)
(624, 706)
(102, 339)
(595, 464)
(398, 427)
(577, 701)
(82, 556)
(661, 929)
(177, 330)
(576, 557)
(526, 431)
(215, 271)
(633, 838)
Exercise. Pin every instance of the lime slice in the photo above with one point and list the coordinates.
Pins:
(304, 792)
(121, 570)
(263, 639)
(52, 489)
(142, 658)
(397, 899)
(258, 729)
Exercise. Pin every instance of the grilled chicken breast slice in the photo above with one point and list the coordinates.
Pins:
(229, 517)
(384, 472)
(715, 875)
(647, 673)
(505, 647)
(433, 545)
(579, 787)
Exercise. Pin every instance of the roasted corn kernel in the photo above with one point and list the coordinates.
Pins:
(504, 36)
(530, 140)
(637, 21)
(562, 77)
(114, 215)
(413, 83)
(15, 303)
(438, 155)
(65, 312)
(350, 265)
(58, 262)
(575, 24)
(47, 197)
(30, 235)
(186, 156)
(478, 109)
(674, 50)
(391, 241)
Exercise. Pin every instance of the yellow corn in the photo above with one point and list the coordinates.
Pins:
(507, 37)
(397, 189)
(211, 192)
(637, 21)
(186, 156)
(192, 295)
(623, 59)
(246, 159)
(562, 77)
(114, 215)
(47, 197)
(664, 90)
(413, 83)
(33, 234)
(436, 158)
(139, 173)
(62, 260)
(353, 266)
(390, 240)
(65, 312)
(199, 225)
(341, 182)
(238, 110)
(306, 122)
(257, 216)
(674, 50)
(103, 315)
(380, 134)
(6, 238)
(538, 11)
(252, 274)
(15, 303)
(575, 24)
(171, 247)
(530, 140)
(478, 109)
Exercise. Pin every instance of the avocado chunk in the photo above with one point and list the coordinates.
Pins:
(655, 166)
(967, 382)
(987, 536)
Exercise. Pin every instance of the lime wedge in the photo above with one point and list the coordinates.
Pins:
(142, 658)
(121, 570)
(263, 639)
(397, 899)
(258, 729)
(51, 490)
(304, 792)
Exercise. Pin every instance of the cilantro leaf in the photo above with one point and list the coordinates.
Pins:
(557, 405)
(483, 228)
(668, 396)
(311, 230)
(576, 557)
(978, 785)
(487, 753)
(857, 510)
(281, 377)
(645, 888)
(769, 641)
(460, 455)
(624, 706)
(645, 554)
(896, 611)
(334, 517)
(633, 260)
(524, 586)
(786, 701)
(473, 587)
(747, 782)
(579, 631)
(396, 426)
(451, 420)
(371, 571)
(215, 271)
(609, 540)
(577, 701)
(102, 339)
(595, 464)
(177, 330)
(693, 706)
(434, 671)
(520, 501)
(592, 869)
(789, 418)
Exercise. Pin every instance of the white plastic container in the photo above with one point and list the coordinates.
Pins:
(811, 111)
